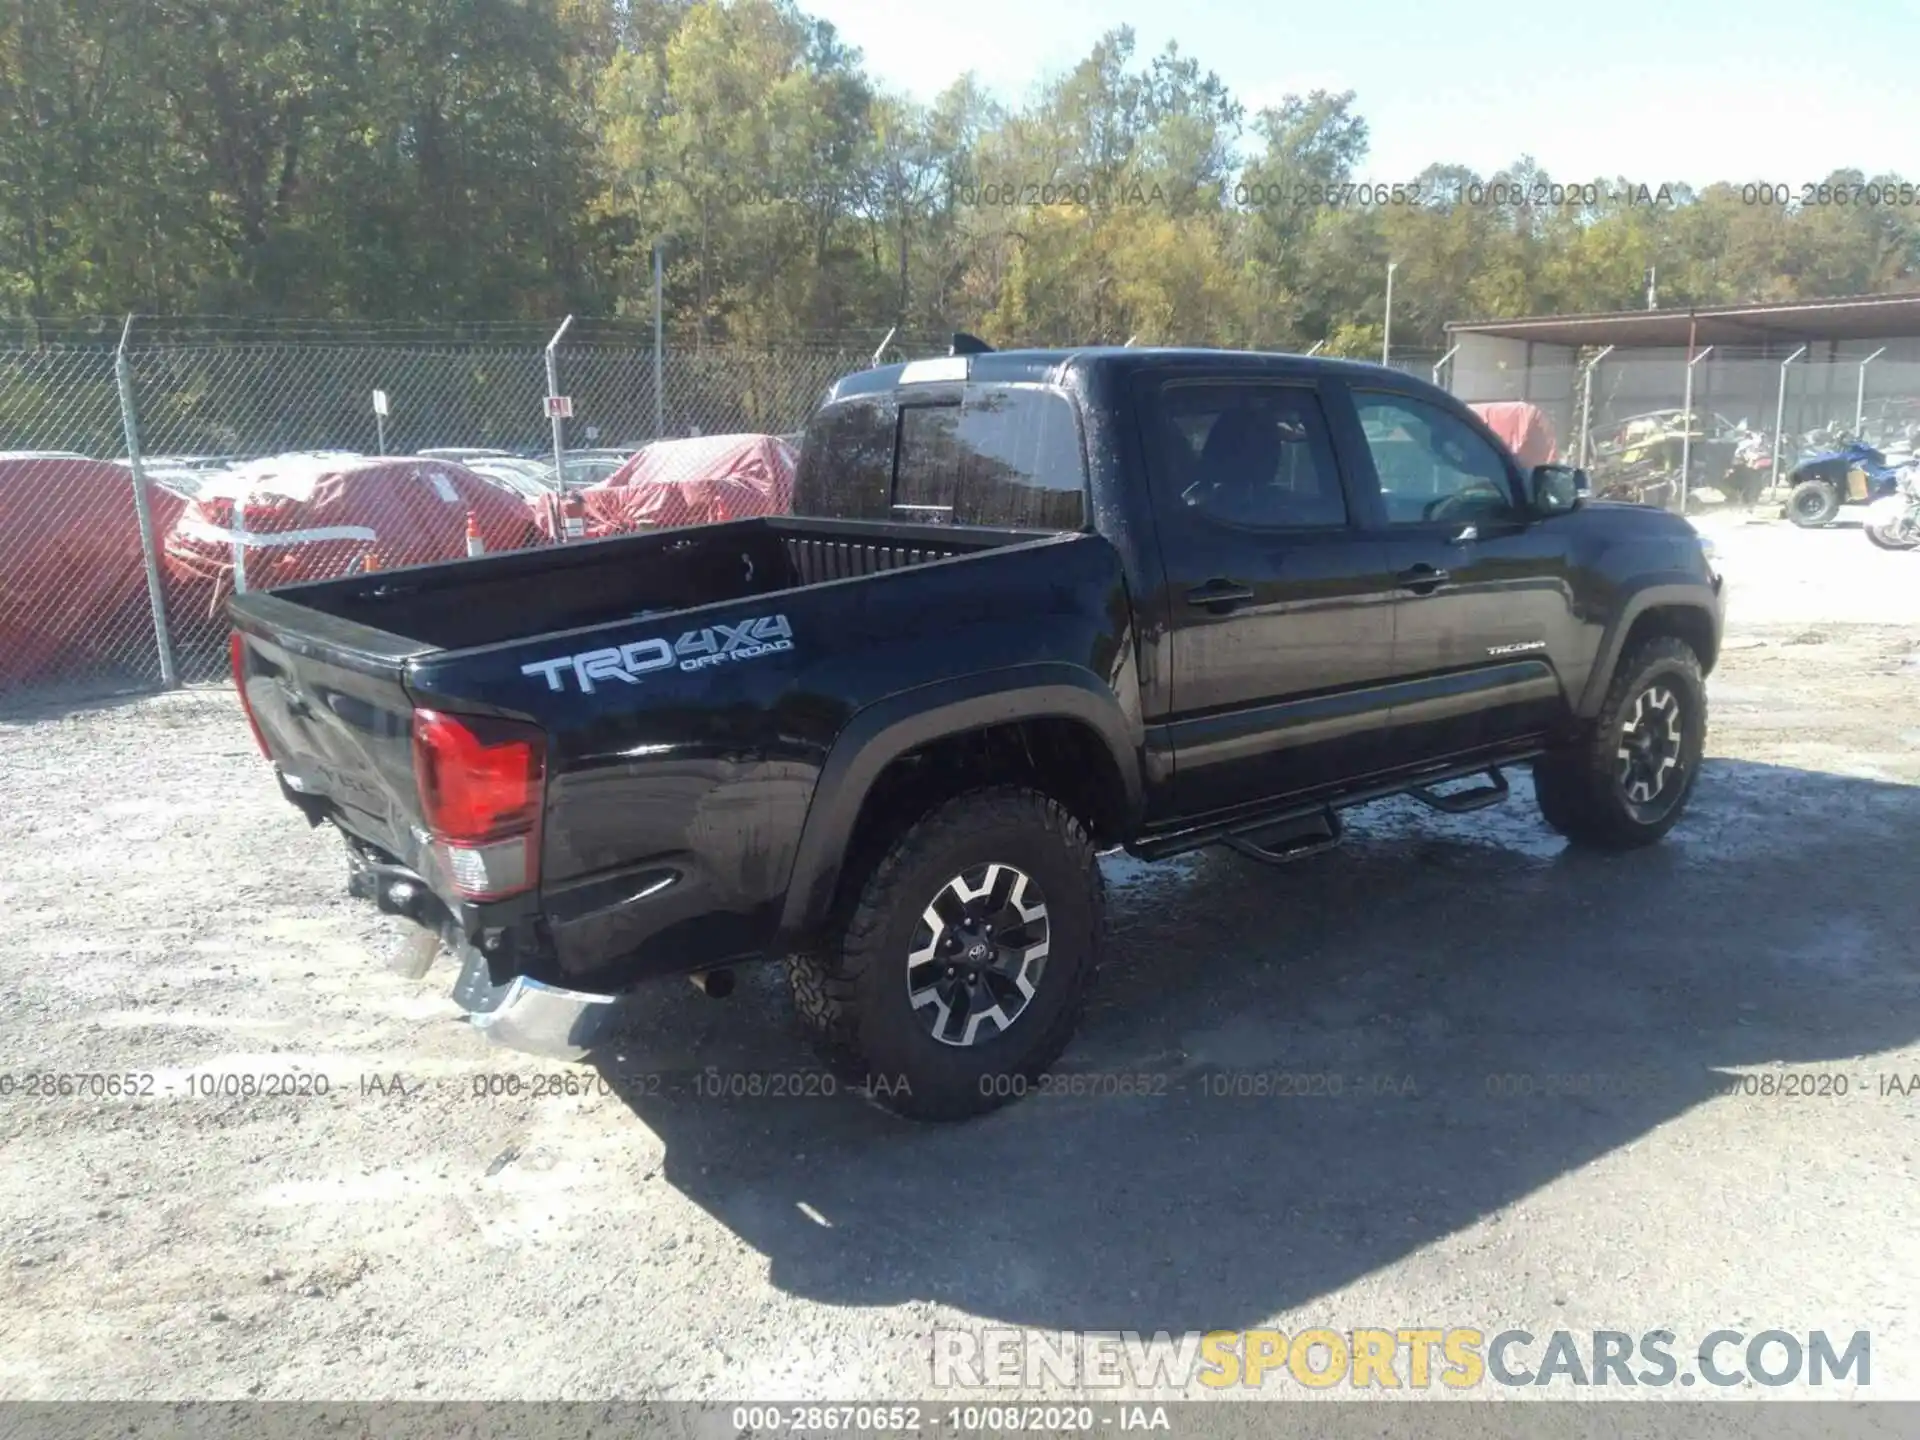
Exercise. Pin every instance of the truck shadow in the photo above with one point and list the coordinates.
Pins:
(1473, 1011)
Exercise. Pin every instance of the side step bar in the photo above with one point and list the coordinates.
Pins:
(1279, 842)
(1288, 840)
(1492, 790)
(1459, 802)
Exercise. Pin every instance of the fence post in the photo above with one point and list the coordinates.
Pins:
(1780, 419)
(559, 424)
(659, 348)
(1686, 430)
(1441, 364)
(1860, 392)
(143, 510)
(1386, 332)
(1586, 403)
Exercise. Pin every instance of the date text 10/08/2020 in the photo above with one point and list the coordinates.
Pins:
(960, 1419)
(1475, 194)
(1256, 194)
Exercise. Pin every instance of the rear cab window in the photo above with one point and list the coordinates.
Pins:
(1007, 456)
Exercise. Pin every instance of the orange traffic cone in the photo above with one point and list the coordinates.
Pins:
(475, 545)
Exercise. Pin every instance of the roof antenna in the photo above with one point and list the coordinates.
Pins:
(965, 344)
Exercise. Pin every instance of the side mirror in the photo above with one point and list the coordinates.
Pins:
(1556, 489)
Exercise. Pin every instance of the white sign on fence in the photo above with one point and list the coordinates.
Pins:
(559, 407)
(380, 402)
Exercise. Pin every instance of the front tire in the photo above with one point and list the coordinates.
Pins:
(1627, 783)
(965, 964)
(1813, 503)
(1904, 538)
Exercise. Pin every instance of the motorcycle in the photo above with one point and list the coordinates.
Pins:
(1893, 521)
(1852, 473)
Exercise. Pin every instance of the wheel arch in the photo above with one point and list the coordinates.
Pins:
(1052, 725)
(1827, 472)
(1676, 610)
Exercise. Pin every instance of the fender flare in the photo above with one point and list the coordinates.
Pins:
(879, 733)
(1687, 596)
(1828, 472)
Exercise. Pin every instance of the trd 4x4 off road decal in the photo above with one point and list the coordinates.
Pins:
(695, 650)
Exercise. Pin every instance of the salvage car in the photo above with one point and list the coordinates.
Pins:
(694, 481)
(1031, 606)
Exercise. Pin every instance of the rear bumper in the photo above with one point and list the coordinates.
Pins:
(508, 1006)
(599, 937)
(532, 1017)
(510, 934)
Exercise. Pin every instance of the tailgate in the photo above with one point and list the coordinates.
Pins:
(329, 699)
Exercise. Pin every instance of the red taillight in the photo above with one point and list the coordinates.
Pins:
(237, 652)
(482, 782)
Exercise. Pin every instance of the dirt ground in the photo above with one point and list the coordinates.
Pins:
(1576, 1149)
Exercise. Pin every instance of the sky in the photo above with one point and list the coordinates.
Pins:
(1686, 90)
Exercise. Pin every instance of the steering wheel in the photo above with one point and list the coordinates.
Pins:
(1441, 508)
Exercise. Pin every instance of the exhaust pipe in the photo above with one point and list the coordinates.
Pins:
(715, 983)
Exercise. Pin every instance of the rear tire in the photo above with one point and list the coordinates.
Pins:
(934, 1040)
(1813, 503)
(1627, 783)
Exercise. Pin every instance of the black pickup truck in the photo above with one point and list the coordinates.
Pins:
(1031, 605)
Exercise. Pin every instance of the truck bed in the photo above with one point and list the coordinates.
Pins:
(700, 763)
(466, 604)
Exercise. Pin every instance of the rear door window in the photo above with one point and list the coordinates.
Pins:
(1252, 455)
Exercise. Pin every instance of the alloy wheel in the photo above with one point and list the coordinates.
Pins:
(1651, 752)
(978, 954)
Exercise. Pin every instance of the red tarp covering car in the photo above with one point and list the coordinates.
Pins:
(73, 586)
(698, 481)
(1524, 428)
(304, 518)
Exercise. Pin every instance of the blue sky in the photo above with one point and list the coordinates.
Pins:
(1680, 90)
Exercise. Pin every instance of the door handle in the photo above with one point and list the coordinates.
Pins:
(1422, 579)
(1220, 596)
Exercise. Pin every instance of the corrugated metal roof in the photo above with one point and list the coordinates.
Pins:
(1860, 317)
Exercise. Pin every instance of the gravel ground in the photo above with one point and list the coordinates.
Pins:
(399, 1238)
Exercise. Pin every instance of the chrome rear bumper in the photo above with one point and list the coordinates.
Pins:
(532, 1017)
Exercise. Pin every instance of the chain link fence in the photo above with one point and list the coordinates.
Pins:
(269, 457)
(145, 478)
(1725, 432)
(74, 595)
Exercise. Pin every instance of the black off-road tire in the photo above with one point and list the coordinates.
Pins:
(852, 996)
(1579, 788)
(1813, 503)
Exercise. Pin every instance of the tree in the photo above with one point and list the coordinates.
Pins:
(519, 158)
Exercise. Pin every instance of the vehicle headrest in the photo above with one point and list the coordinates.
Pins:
(1243, 447)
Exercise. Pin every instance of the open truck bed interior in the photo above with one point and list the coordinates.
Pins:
(568, 587)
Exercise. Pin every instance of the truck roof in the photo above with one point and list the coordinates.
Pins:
(1035, 366)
